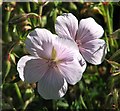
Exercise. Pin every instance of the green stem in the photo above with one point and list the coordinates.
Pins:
(107, 42)
(19, 94)
(40, 13)
(32, 15)
(109, 21)
(7, 15)
(28, 7)
(27, 103)
(83, 103)
(116, 96)
(6, 36)
(108, 17)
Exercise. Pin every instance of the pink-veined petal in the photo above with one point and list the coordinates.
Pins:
(66, 25)
(31, 69)
(94, 51)
(89, 30)
(72, 71)
(66, 49)
(52, 85)
(39, 42)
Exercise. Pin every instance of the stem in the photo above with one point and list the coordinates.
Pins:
(28, 7)
(32, 15)
(40, 14)
(116, 96)
(107, 42)
(83, 103)
(109, 21)
(19, 94)
(6, 36)
(108, 17)
(54, 105)
(27, 103)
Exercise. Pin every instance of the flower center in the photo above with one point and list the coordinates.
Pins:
(52, 63)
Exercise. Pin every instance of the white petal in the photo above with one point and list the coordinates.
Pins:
(89, 30)
(31, 69)
(66, 49)
(39, 42)
(94, 51)
(72, 71)
(66, 25)
(52, 85)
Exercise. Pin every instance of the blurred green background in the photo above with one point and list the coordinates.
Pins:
(99, 88)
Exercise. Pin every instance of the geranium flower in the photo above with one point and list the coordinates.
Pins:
(53, 63)
(86, 35)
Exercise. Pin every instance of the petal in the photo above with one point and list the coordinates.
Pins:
(66, 25)
(31, 69)
(72, 71)
(94, 51)
(39, 42)
(66, 49)
(52, 85)
(89, 30)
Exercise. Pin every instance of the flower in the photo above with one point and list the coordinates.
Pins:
(86, 35)
(53, 62)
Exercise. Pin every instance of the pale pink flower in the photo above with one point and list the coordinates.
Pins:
(53, 63)
(86, 35)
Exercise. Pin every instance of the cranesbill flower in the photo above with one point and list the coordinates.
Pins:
(53, 62)
(86, 35)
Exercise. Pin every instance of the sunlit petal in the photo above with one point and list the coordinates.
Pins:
(89, 30)
(66, 49)
(39, 42)
(94, 51)
(52, 85)
(66, 25)
(72, 71)
(31, 69)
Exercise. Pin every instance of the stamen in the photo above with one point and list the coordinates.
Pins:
(52, 63)
(78, 43)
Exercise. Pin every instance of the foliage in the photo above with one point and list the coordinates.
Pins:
(100, 85)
